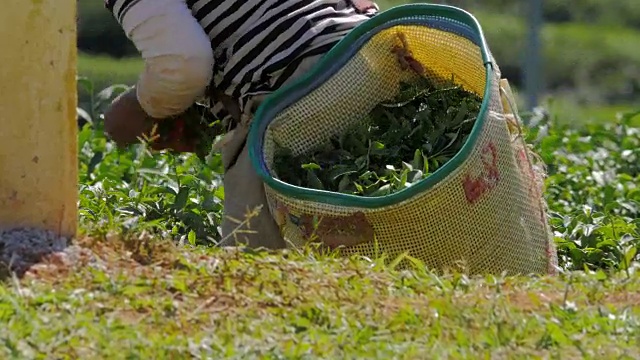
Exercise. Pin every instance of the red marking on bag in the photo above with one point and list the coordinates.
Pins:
(475, 187)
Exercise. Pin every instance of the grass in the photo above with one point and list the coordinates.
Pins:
(104, 70)
(129, 294)
(151, 300)
(575, 115)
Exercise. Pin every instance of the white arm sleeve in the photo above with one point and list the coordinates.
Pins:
(177, 54)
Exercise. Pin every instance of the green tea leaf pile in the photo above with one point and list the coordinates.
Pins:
(399, 144)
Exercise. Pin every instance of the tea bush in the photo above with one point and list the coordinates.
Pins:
(592, 188)
(122, 190)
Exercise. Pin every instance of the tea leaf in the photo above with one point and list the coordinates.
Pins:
(422, 128)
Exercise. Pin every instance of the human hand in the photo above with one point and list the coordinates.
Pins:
(175, 139)
(125, 121)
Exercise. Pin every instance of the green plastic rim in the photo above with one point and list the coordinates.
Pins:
(326, 68)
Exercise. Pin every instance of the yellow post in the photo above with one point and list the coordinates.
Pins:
(38, 134)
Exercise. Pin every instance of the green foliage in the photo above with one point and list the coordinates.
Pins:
(133, 189)
(593, 190)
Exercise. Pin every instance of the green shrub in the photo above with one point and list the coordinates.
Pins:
(171, 195)
(593, 191)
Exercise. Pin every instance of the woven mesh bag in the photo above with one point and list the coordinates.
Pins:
(481, 212)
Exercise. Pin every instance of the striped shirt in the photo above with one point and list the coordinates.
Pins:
(259, 44)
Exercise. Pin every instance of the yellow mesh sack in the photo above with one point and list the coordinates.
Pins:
(481, 212)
